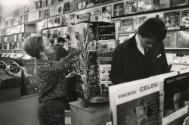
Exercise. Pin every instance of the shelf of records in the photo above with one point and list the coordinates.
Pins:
(174, 20)
(102, 8)
(13, 42)
(119, 7)
(157, 100)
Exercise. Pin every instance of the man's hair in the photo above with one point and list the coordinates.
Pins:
(61, 40)
(33, 46)
(153, 28)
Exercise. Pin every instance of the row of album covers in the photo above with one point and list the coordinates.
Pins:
(157, 100)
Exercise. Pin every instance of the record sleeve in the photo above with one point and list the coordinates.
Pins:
(176, 100)
(183, 39)
(135, 103)
(73, 18)
(107, 13)
(55, 1)
(53, 11)
(164, 3)
(43, 3)
(127, 25)
(138, 102)
(178, 2)
(59, 9)
(96, 15)
(118, 9)
(145, 5)
(172, 20)
(131, 6)
(66, 7)
(104, 85)
(74, 5)
(185, 18)
(38, 4)
(170, 40)
(82, 4)
(49, 2)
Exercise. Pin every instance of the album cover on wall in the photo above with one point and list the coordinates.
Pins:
(90, 3)
(49, 2)
(185, 18)
(43, 3)
(66, 7)
(57, 21)
(164, 3)
(96, 14)
(176, 100)
(172, 19)
(74, 5)
(54, 1)
(59, 9)
(170, 40)
(178, 2)
(104, 85)
(73, 18)
(53, 11)
(82, 4)
(183, 39)
(131, 6)
(107, 13)
(38, 4)
(118, 9)
(145, 5)
(127, 25)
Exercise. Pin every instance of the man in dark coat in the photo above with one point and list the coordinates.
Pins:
(142, 55)
(59, 50)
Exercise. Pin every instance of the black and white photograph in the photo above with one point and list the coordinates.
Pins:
(94, 62)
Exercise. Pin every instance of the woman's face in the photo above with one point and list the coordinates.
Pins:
(48, 49)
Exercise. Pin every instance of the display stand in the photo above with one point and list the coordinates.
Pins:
(96, 114)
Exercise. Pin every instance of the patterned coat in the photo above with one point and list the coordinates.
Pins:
(51, 75)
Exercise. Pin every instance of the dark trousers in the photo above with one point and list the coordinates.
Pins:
(52, 113)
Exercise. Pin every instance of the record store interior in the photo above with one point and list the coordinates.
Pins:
(94, 62)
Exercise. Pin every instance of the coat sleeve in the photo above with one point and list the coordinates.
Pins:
(117, 71)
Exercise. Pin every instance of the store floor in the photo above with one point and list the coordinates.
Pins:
(23, 111)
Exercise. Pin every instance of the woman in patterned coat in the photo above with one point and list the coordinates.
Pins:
(51, 75)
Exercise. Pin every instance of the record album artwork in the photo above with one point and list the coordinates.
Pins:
(170, 40)
(127, 25)
(143, 111)
(183, 39)
(118, 9)
(145, 5)
(178, 2)
(66, 7)
(74, 5)
(106, 13)
(172, 19)
(176, 100)
(131, 6)
(59, 9)
(185, 18)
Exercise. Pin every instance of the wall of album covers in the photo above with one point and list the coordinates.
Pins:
(129, 13)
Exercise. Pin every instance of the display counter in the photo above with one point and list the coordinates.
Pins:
(96, 114)
(21, 111)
